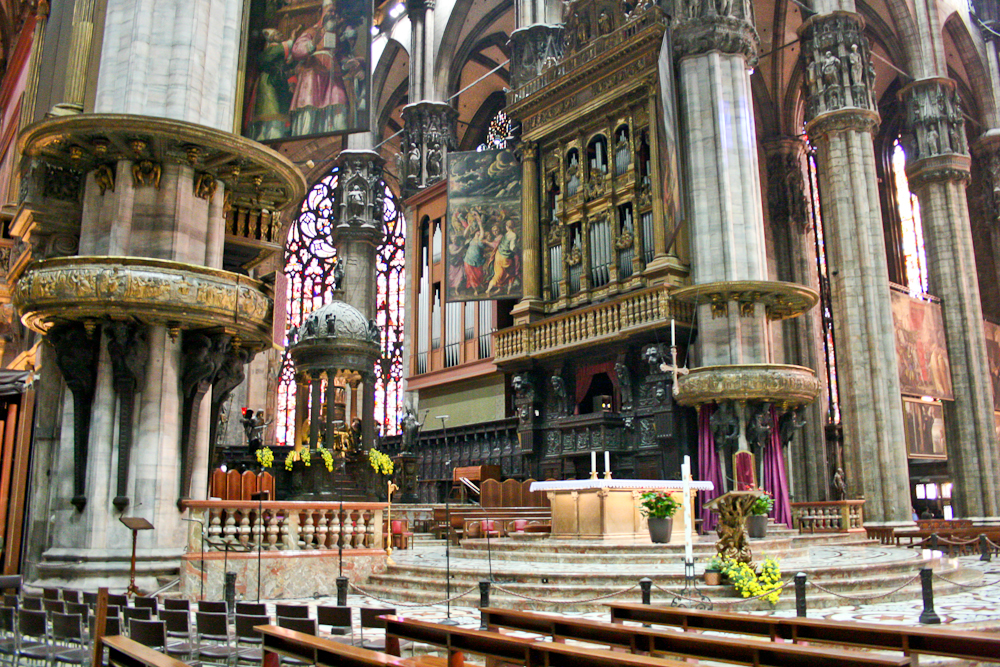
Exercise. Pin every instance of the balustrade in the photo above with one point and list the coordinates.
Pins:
(835, 516)
(286, 526)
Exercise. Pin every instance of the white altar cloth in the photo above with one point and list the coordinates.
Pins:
(580, 484)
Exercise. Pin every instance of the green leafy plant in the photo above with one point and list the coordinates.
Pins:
(658, 504)
(714, 564)
(381, 463)
(265, 457)
(762, 505)
(750, 582)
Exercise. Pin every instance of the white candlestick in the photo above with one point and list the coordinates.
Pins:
(593, 463)
(686, 508)
(607, 462)
(673, 333)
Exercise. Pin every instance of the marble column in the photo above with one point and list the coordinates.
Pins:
(841, 117)
(719, 146)
(530, 305)
(937, 170)
(795, 261)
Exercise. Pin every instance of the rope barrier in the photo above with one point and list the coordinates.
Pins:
(412, 604)
(864, 598)
(724, 601)
(550, 601)
(961, 585)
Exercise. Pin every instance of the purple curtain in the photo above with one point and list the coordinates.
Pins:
(708, 467)
(775, 481)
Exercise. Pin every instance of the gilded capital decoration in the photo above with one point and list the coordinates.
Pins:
(181, 296)
(781, 300)
(533, 50)
(783, 385)
(837, 61)
(934, 123)
(429, 134)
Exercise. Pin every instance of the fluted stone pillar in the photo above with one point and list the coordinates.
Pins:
(715, 54)
(841, 117)
(938, 172)
(795, 251)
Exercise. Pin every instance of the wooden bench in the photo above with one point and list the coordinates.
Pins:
(979, 646)
(959, 541)
(124, 652)
(326, 652)
(645, 640)
(507, 649)
(888, 534)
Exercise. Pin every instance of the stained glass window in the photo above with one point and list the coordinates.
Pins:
(309, 262)
(913, 234)
(496, 133)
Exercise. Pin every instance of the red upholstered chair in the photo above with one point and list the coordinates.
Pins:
(491, 528)
(401, 534)
(520, 525)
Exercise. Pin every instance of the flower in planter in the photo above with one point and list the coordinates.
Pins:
(750, 582)
(714, 564)
(265, 457)
(658, 504)
(762, 505)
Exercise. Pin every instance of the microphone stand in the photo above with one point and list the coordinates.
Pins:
(447, 550)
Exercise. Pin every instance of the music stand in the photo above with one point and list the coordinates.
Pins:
(135, 524)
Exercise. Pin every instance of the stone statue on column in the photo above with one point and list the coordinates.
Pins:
(429, 134)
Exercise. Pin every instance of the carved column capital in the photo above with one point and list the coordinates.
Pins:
(417, 7)
(359, 196)
(429, 135)
(987, 150)
(533, 50)
(837, 61)
(934, 123)
(726, 33)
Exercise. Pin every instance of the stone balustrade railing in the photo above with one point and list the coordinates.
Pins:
(584, 327)
(286, 525)
(834, 516)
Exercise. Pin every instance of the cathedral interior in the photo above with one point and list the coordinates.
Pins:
(768, 227)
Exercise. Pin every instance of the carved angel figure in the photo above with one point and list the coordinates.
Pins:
(146, 172)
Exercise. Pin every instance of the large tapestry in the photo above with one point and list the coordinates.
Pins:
(307, 68)
(484, 226)
(925, 434)
(993, 357)
(920, 346)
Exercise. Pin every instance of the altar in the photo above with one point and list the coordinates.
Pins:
(608, 509)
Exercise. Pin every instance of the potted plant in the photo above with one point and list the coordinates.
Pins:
(713, 571)
(749, 581)
(757, 521)
(659, 508)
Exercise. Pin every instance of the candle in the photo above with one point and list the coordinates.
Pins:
(673, 333)
(593, 463)
(686, 508)
(607, 461)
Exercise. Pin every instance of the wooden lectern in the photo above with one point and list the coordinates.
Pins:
(135, 524)
(733, 509)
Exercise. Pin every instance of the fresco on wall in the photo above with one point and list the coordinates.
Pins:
(307, 68)
(483, 238)
(920, 347)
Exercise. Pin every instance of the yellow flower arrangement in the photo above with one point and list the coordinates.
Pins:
(265, 457)
(327, 457)
(305, 456)
(753, 583)
(290, 460)
(381, 463)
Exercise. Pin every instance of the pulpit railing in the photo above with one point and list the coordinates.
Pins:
(833, 516)
(285, 526)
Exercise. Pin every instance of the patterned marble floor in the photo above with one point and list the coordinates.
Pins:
(976, 607)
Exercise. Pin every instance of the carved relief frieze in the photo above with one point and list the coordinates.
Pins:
(837, 59)
(785, 386)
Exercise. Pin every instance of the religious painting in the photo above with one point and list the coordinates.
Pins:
(925, 434)
(307, 68)
(483, 237)
(923, 358)
(992, 332)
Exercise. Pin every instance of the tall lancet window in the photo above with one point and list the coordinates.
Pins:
(497, 133)
(309, 264)
(912, 231)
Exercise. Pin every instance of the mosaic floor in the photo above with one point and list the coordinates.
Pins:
(976, 607)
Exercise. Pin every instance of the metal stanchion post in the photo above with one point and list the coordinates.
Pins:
(928, 616)
(984, 548)
(341, 591)
(800, 594)
(484, 601)
(646, 585)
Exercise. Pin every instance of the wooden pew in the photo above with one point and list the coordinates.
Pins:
(496, 646)
(326, 652)
(978, 646)
(123, 652)
(645, 640)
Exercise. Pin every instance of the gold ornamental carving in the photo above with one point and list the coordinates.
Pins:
(182, 296)
(784, 385)
(781, 300)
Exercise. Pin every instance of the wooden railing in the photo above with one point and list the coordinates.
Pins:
(834, 516)
(584, 327)
(286, 526)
